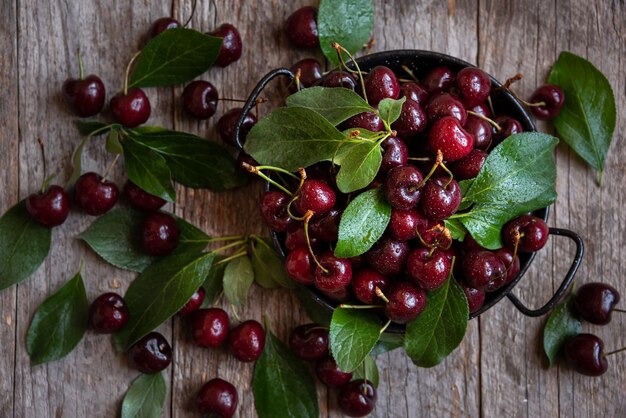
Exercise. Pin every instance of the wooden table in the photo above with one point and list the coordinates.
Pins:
(498, 371)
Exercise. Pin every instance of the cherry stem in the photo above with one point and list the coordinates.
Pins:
(231, 258)
(127, 74)
(297, 79)
(109, 168)
(615, 352)
(343, 305)
(46, 182)
(380, 294)
(227, 238)
(384, 328)
(307, 217)
(419, 159)
(409, 72)
(619, 310)
(81, 73)
(43, 158)
(340, 48)
(278, 169)
(254, 170)
(290, 213)
(509, 81)
(193, 12)
(438, 162)
(485, 118)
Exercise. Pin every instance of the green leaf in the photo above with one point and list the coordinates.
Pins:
(174, 57)
(77, 160)
(390, 109)
(387, 342)
(456, 228)
(359, 166)
(160, 291)
(24, 245)
(238, 277)
(193, 161)
(440, 328)
(367, 370)
(347, 22)
(268, 265)
(145, 397)
(59, 323)
(363, 222)
(282, 384)
(192, 239)
(94, 127)
(562, 324)
(587, 121)
(353, 333)
(293, 137)
(334, 104)
(113, 144)
(148, 170)
(213, 284)
(314, 310)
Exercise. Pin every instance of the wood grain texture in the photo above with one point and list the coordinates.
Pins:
(498, 370)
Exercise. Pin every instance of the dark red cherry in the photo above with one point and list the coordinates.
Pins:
(309, 341)
(300, 266)
(445, 104)
(316, 196)
(482, 109)
(481, 130)
(140, 199)
(218, 398)
(395, 154)
(334, 274)
(429, 269)
(511, 264)
(339, 79)
(508, 126)
(388, 256)
(469, 166)
(49, 208)
(210, 327)
(161, 25)
(364, 284)
(415, 92)
(310, 73)
(553, 98)
(406, 302)
(340, 296)
(131, 109)
(301, 28)
(412, 120)
(435, 235)
(194, 303)
(403, 187)
(483, 270)
(532, 231)
(404, 225)
(594, 302)
(160, 233)
(438, 79)
(247, 341)
(381, 83)
(85, 97)
(296, 238)
(274, 210)
(226, 125)
(584, 353)
(151, 354)
(475, 298)
(200, 99)
(326, 227)
(357, 398)
(473, 85)
(108, 313)
(330, 374)
(450, 138)
(94, 195)
(441, 198)
(367, 120)
(230, 50)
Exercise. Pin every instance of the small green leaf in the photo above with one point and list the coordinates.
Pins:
(282, 384)
(268, 265)
(346, 22)
(440, 328)
(94, 127)
(456, 228)
(353, 334)
(390, 109)
(359, 166)
(113, 144)
(24, 245)
(148, 170)
(367, 370)
(59, 323)
(587, 121)
(238, 277)
(145, 397)
(562, 324)
(174, 57)
(363, 222)
(334, 104)
(213, 284)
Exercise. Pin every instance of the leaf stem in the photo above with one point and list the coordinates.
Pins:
(231, 245)
(278, 169)
(255, 170)
(226, 238)
(127, 74)
(232, 257)
(600, 173)
(384, 328)
(109, 168)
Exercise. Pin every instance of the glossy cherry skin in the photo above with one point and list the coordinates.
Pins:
(357, 398)
(315, 196)
(532, 231)
(415, 92)
(594, 302)
(412, 120)
(300, 266)
(330, 374)
(200, 99)
(395, 154)
(469, 166)
(366, 120)
(364, 284)
(337, 276)
(274, 210)
(151, 354)
(309, 341)
(508, 125)
(84, 97)
(483, 270)
(475, 297)
(108, 313)
(227, 123)
(339, 79)
(403, 187)
(142, 200)
(473, 85)
(404, 225)
(310, 71)
(160, 233)
(131, 109)
(49, 208)
(553, 98)
(94, 195)
(445, 104)
(406, 302)
(326, 227)
(381, 83)
(231, 48)
(218, 398)
(388, 256)
(584, 353)
(438, 79)
(448, 136)
(441, 198)
(481, 131)
(428, 269)
(301, 28)
(194, 303)
(295, 238)
(161, 25)
(511, 264)
(247, 341)
(210, 327)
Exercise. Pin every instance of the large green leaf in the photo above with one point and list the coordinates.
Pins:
(145, 397)
(335, 104)
(148, 170)
(353, 334)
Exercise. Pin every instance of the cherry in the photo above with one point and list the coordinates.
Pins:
(406, 302)
(161, 25)
(210, 327)
(531, 231)
(441, 198)
(108, 313)
(339, 79)
(482, 109)
(160, 233)
(131, 109)
(594, 302)
(395, 154)
(310, 73)
(151, 354)
(483, 270)
(406, 224)
(300, 266)
(469, 166)
(200, 99)
(429, 269)
(326, 227)
(334, 274)
(445, 104)
(388, 256)
(511, 264)
(316, 196)
(447, 136)
(140, 199)
(357, 398)
(301, 28)
(553, 98)
(481, 130)
(49, 208)
(296, 238)
(364, 284)
(230, 50)
(473, 85)
(340, 296)
(438, 79)
(381, 83)
(414, 91)
(585, 354)
(366, 120)
(435, 235)
(412, 120)
(94, 195)
(508, 125)
(227, 123)
(218, 398)
(475, 298)
(403, 187)
(309, 341)
(330, 374)
(85, 97)
(274, 210)
(194, 303)
(247, 341)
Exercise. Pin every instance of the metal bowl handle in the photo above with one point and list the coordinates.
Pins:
(251, 102)
(565, 284)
